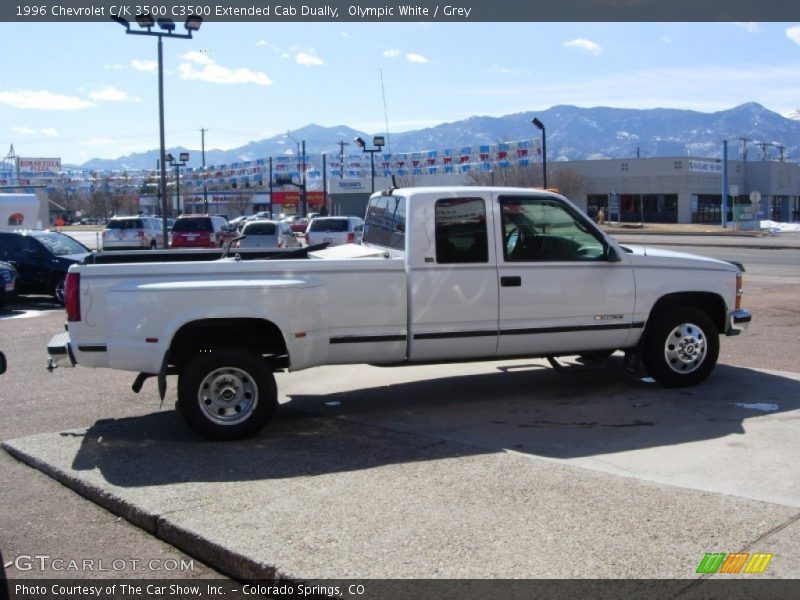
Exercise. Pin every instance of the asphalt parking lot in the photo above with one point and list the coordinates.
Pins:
(479, 470)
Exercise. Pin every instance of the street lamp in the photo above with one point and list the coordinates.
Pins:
(183, 158)
(539, 125)
(167, 26)
(301, 169)
(379, 143)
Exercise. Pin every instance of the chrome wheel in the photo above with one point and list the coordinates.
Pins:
(59, 293)
(227, 396)
(685, 348)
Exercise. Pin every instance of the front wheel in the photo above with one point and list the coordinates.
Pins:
(681, 347)
(227, 394)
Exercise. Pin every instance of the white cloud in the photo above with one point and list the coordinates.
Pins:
(99, 141)
(148, 66)
(413, 57)
(750, 27)
(793, 33)
(585, 45)
(345, 35)
(109, 94)
(43, 100)
(211, 72)
(308, 60)
(116, 67)
(666, 39)
(392, 53)
(261, 43)
(48, 131)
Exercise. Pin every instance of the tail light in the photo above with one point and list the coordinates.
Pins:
(739, 290)
(72, 297)
(351, 237)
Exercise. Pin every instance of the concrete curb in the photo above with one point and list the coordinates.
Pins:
(220, 557)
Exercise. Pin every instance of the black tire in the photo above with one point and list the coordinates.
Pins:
(227, 394)
(59, 291)
(681, 347)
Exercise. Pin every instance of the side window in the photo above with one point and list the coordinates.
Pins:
(385, 223)
(461, 231)
(538, 229)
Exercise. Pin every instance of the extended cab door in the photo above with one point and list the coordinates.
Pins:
(452, 277)
(559, 292)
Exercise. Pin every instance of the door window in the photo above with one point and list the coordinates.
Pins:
(536, 229)
(461, 231)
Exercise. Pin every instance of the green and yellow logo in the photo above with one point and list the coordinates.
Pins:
(737, 562)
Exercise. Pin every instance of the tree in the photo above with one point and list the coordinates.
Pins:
(563, 179)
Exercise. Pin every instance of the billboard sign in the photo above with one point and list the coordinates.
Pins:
(39, 165)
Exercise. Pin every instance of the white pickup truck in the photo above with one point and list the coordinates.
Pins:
(443, 274)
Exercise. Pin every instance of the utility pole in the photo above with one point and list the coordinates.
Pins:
(342, 144)
(744, 141)
(763, 146)
(205, 184)
(781, 149)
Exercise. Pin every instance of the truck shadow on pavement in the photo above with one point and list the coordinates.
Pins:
(537, 412)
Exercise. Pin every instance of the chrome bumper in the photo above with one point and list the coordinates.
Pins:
(738, 321)
(59, 352)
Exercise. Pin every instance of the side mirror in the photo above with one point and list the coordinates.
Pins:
(613, 255)
(3, 364)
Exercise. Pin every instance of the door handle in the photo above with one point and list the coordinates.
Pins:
(512, 281)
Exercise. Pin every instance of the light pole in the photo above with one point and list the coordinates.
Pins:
(539, 125)
(301, 168)
(379, 143)
(167, 26)
(183, 158)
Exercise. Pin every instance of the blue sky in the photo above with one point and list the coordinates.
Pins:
(84, 90)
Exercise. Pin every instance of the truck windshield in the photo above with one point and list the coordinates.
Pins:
(385, 223)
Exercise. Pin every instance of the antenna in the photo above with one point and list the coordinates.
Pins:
(385, 115)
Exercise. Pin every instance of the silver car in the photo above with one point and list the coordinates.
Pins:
(334, 230)
(267, 234)
(133, 233)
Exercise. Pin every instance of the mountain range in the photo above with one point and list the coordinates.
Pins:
(573, 133)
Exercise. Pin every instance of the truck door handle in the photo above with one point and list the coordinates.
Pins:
(514, 281)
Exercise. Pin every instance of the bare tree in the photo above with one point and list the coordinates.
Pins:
(239, 203)
(563, 179)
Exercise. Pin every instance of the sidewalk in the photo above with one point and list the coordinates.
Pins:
(696, 234)
(501, 470)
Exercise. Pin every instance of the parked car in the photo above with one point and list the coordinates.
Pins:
(267, 234)
(299, 225)
(239, 222)
(334, 230)
(8, 282)
(201, 231)
(133, 233)
(42, 259)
